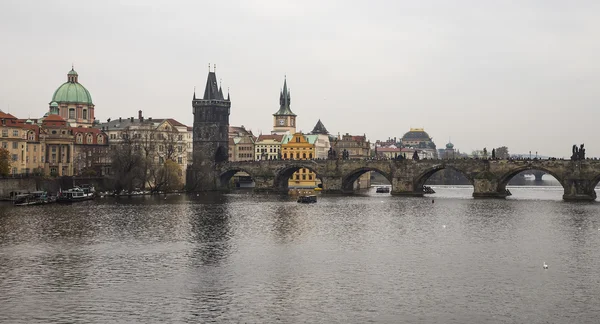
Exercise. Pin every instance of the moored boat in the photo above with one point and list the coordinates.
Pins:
(382, 190)
(32, 198)
(76, 194)
(307, 199)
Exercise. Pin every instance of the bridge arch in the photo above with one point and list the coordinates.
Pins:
(226, 175)
(349, 178)
(420, 180)
(595, 182)
(284, 175)
(505, 178)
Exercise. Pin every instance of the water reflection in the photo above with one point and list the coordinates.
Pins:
(264, 259)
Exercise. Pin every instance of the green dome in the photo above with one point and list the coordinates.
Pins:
(449, 146)
(53, 104)
(72, 92)
(72, 72)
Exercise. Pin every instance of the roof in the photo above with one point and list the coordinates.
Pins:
(416, 133)
(277, 138)
(238, 131)
(54, 120)
(320, 128)
(212, 88)
(117, 124)
(72, 91)
(284, 102)
(6, 115)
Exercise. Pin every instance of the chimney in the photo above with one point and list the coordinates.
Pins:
(140, 117)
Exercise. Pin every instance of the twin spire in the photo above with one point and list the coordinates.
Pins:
(284, 101)
(213, 90)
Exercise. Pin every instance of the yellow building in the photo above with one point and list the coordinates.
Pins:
(14, 140)
(300, 147)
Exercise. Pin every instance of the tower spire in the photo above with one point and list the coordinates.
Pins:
(194, 92)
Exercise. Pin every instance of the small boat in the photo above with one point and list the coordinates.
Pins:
(76, 194)
(428, 190)
(382, 190)
(32, 198)
(307, 199)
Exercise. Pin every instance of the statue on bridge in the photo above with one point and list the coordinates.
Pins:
(345, 155)
(493, 154)
(331, 154)
(416, 156)
(578, 153)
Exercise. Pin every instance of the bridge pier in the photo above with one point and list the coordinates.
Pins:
(406, 187)
(265, 184)
(332, 184)
(488, 188)
(579, 190)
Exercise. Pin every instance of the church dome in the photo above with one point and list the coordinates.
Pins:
(72, 91)
(449, 146)
(416, 133)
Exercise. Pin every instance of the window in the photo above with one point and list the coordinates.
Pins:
(34, 159)
(90, 139)
(79, 138)
(180, 160)
(100, 139)
(160, 148)
(297, 139)
(304, 155)
(161, 160)
(71, 113)
(179, 148)
(5, 133)
(53, 148)
(304, 177)
(309, 177)
(15, 145)
(5, 145)
(297, 177)
(15, 157)
(85, 114)
(16, 132)
(35, 148)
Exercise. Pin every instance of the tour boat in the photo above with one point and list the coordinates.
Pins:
(382, 190)
(76, 194)
(32, 198)
(428, 190)
(307, 199)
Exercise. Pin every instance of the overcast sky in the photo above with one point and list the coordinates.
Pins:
(524, 74)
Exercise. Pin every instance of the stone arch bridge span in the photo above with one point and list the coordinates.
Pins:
(488, 177)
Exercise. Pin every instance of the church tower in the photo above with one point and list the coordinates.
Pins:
(210, 135)
(284, 120)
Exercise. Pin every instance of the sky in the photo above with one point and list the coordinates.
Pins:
(522, 74)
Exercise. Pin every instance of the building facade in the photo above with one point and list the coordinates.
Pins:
(241, 144)
(322, 143)
(298, 146)
(418, 139)
(158, 140)
(268, 147)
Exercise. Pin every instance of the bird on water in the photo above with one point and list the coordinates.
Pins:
(545, 266)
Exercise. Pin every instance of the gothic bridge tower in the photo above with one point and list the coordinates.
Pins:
(210, 136)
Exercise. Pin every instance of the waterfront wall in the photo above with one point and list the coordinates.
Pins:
(8, 185)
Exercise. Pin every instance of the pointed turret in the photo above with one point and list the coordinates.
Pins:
(320, 129)
(228, 97)
(284, 102)
(221, 93)
(211, 92)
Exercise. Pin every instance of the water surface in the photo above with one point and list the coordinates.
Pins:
(243, 258)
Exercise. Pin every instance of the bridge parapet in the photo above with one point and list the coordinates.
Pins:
(488, 177)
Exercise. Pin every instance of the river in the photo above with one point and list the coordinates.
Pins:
(244, 258)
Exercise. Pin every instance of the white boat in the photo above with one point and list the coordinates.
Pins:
(76, 194)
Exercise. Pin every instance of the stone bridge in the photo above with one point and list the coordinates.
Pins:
(488, 177)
